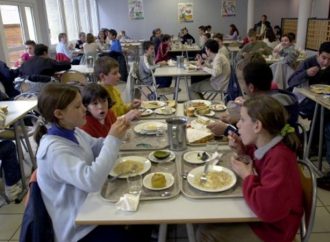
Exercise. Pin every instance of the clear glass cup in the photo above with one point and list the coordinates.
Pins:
(134, 184)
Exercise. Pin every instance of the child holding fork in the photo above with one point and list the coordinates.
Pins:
(271, 181)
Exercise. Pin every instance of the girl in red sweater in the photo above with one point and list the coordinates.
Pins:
(271, 181)
(100, 117)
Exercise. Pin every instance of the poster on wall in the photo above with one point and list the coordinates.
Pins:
(185, 12)
(228, 8)
(135, 9)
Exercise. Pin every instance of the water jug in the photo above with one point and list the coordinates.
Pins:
(179, 61)
(176, 132)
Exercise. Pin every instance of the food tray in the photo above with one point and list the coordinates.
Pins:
(189, 191)
(135, 141)
(113, 190)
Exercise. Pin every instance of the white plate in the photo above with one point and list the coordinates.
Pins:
(195, 173)
(165, 110)
(150, 128)
(146, 165)
(197, 125)
(206, 102)
(167, 159)
(210, 114)
(218, 107)
(169, 181)
(320, 88)
(146, 112)
(153, 104)
(193, 158)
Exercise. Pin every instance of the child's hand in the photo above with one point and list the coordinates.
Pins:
(235, 142)
(241, 168)
(119, 128)
(239, 100)
(132, 115)
(136, 103)
(313, 71)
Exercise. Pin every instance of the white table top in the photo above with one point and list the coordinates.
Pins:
(188, 48)
(175, 71)
(17, 110)
(82, 68)
(180, 209)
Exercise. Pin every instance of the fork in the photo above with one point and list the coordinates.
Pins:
(215, 156)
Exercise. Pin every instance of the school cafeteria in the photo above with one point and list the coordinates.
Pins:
(164, 121)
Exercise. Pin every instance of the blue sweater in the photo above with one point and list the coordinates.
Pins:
(67, 172)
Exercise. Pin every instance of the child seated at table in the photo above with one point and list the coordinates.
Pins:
(29, 52)
(99, 116)
(271, 181)
(72, 164)
(286, 50)
(106, 69)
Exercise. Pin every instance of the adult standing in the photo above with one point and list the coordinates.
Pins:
(261, 26)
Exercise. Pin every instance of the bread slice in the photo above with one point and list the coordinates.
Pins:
(196, 136)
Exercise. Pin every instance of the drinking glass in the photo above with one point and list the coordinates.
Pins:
(134, 184)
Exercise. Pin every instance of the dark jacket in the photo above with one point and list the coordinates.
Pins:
(7, 77)
(300, 75)
(40, 66)
(186, 37)
(36, 225)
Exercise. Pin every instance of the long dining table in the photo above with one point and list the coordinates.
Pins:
(177, 209)
(14, 122)
(178, 73)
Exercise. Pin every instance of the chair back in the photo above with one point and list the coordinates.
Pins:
(308, 182)
(36, 225)
(73, 77)
(62, 57)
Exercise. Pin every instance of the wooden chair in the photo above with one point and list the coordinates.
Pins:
(308, 182)
(73, 77)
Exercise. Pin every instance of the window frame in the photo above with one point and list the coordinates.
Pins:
(25, 31)
(77, 17)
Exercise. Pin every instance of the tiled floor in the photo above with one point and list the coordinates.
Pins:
(11, 216)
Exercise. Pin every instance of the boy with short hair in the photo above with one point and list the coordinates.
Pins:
(115, 43)
(107, 71)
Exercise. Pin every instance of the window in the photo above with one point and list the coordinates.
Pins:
(30, 23)
(54, 20)
(84, 25)
(14, 17)
(94, 17)
(71, 17)
(70, 20)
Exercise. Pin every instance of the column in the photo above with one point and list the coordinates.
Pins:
(250, 14)
(304, 12)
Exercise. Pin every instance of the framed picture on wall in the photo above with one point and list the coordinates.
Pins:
(135, 9)
(185, 12)
(228, 8)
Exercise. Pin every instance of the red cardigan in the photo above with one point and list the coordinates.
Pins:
(95, 128)
(275, 195)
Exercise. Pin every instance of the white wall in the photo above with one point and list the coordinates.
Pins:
(163, 14)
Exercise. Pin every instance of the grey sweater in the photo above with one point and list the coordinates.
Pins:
(67, 172)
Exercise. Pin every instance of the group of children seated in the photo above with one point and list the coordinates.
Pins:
(80, 135)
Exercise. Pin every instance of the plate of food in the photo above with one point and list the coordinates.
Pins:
(320, 88)
(153, 104)
(199, 136)
(204, 112)
(150, 128)
(130, 166)
(218, 107)
(145, 112)
(159, 156)
(158, 181)
(165, 110)
(219, 179)
(199, 102)
(196, 156)
(201, 122)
